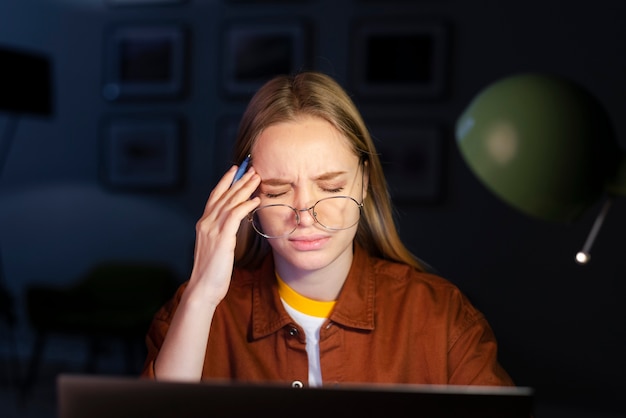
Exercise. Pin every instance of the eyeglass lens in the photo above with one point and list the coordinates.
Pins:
(333, 213)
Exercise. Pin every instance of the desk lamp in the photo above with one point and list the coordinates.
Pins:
(545, 146)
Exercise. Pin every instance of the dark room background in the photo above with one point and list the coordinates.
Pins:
(146, 96)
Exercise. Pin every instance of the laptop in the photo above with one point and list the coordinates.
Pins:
(92, 396)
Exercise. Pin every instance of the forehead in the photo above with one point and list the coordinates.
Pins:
(309, 142)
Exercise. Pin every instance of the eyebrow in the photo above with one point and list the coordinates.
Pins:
(322, 177)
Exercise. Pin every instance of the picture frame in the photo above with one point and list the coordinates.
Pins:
(412, 158)
(145, 62)
(255, 51)
(142, 153)
(399, 60)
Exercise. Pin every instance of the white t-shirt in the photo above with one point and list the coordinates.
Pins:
(310, 315)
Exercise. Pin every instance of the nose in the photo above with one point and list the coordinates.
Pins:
(305, 210)
(306, 216)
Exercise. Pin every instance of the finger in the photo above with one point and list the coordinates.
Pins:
(226, 179)
(221, 188)
(222, 224)
(241, 195)
(249, 180)
(234, 203)
(228, 182)
(242, 210)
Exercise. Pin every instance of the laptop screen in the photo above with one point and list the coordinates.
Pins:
(120, 397)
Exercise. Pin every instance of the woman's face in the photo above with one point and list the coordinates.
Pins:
(301, 162)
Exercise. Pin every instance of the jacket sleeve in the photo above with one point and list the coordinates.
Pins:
(473, 350)
(157, 331)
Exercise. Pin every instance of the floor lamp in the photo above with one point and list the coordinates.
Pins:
(25, 89)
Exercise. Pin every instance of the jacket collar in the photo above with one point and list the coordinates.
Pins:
(354, 307)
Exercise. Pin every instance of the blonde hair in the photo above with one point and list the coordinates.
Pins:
(285, 98)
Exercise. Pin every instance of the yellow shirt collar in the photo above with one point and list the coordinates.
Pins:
(303, 304)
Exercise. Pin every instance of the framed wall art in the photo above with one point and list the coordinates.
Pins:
(145, 62)
(399, 60)
(142, 153)
(253, 52)
(412, 159)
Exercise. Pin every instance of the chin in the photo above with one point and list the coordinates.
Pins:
(307, 260)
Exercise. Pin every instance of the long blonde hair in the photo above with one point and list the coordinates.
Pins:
(284, 98)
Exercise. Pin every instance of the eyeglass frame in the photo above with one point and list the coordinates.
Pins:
(313, 214)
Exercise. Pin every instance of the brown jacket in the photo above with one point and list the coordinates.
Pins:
(391, 324)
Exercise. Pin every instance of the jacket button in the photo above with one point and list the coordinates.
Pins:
(293, 331)
(297, 384)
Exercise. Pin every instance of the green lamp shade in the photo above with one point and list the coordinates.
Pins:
(540, 143)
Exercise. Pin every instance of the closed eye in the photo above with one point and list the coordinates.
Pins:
(273, 189)
(274, 195)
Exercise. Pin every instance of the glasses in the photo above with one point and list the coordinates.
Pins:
(334, 213)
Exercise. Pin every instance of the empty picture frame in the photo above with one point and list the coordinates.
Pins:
(399, 60)
(144, 62)
(412, 160)
(253, 52)
(142, 153)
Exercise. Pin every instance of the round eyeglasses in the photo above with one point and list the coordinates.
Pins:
(334, 213)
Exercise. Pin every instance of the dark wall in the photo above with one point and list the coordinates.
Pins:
(70, 198)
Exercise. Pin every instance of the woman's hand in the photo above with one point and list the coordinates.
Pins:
(216, 234)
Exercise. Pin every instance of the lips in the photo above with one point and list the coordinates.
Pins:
(309, 242)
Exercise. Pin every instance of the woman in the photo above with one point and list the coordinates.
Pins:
(299, 273)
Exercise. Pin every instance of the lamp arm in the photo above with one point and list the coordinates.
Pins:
(583, 256)
(616, 187)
